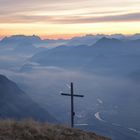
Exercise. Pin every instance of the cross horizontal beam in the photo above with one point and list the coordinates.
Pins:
(75, 95)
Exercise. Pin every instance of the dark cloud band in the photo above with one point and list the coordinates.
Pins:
(70, 19)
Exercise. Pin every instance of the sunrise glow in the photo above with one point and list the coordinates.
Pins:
(65, 18)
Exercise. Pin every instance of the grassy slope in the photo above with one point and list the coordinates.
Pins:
(31, 130)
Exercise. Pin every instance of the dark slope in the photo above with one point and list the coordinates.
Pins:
(14, 103)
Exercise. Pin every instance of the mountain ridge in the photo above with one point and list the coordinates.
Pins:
(83, 54)
(15, 103)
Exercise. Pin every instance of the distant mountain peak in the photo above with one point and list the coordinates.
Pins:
(21, 38)
(108, 39)
(104, 41)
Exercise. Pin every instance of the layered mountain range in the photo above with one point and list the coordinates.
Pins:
(112, 54)
(105, 67)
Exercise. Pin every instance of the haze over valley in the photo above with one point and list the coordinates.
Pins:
(104, 68)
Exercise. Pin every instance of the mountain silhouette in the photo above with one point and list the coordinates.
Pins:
(15, 103)
(107, 52)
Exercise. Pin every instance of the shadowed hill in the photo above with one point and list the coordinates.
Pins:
(14, 103)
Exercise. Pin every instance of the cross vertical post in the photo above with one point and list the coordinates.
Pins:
(72, 106)
(72, 102)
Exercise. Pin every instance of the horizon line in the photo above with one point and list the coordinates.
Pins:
(66, 36)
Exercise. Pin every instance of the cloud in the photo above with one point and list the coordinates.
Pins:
(130, 17)
(49, 16)
(111, 18)
(65, 11)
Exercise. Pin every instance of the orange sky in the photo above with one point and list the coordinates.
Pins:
(68, 18)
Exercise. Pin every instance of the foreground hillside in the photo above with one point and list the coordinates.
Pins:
(31, 130)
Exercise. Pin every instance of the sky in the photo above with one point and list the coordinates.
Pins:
(67, 18)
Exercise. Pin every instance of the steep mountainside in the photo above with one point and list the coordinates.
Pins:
(14, 103)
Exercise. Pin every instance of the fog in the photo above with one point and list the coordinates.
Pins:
(110, 87)
(44, 85)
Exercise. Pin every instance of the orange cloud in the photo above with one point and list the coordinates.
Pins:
(69, 17)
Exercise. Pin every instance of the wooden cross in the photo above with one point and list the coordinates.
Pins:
(72, 102)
